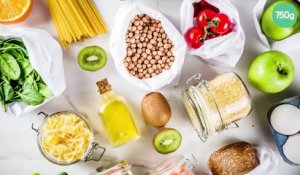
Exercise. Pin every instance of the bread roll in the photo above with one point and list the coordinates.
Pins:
(234, 159)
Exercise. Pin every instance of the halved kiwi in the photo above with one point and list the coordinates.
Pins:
(92, 58)
(167, 141)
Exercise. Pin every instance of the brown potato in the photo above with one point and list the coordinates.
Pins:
(156, 109)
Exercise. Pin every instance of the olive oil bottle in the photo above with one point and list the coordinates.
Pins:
(116, 117)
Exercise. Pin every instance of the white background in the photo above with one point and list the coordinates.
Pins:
(19, 154)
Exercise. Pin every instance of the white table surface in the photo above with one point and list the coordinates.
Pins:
(19, 154)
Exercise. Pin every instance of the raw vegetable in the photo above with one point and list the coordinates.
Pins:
(209, 24)
(205, 17)
(195, 37)
(63, 173)
(156, 109)
(19, 82)
(220, 23)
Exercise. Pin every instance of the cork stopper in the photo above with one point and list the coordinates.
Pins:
(103, 86)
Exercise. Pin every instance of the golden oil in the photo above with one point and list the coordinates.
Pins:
(116, 117)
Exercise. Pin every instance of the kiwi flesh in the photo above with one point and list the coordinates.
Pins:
(167, 140)
(92, 58)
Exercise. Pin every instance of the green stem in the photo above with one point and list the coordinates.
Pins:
(3, 106)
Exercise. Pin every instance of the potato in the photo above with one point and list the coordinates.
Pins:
(156, 109)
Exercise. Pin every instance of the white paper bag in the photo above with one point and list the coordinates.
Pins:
(223, 51)
(117, 47)
(268, 162)
(258, 10)
(45, 56)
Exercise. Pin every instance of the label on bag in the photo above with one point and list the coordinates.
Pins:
(285, 14)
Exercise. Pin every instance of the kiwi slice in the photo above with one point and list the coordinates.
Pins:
(92, 58)
(167, 141)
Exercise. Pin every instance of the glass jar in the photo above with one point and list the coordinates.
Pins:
(213, 105)
(93, 150)
(122, 168)
(177, 165)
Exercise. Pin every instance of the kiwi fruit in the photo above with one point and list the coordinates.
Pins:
(92, 58)
(156, 109)
(167, 141)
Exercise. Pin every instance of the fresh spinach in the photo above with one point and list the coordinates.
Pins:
(8, 92)
(31, 97)
(44, 90)
(19, 82)
(9, 66)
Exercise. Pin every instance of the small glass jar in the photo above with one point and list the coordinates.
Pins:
(213, 105)
(122, 168)
(177, 165)
(93, 151)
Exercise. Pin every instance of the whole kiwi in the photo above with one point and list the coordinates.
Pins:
(156, 109)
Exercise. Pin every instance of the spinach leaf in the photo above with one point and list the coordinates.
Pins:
(8, 92)
(44, 90)
(25, 66)
(4, 78)
(31, 97)
(17, 41)
(2, 99)
(9, 66)
(37, 77)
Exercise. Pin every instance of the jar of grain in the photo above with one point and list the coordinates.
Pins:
(213, 105)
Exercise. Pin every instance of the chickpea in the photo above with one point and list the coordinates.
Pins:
(149, 50)
(128, 59)
(126, 64)
(149, 57)
(153, 61)
(132, 72)
(134, 58)
(149, 46)
(133, 45)
(144, 55)
(131, 66)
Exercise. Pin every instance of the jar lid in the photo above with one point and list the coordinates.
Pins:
(122, 168)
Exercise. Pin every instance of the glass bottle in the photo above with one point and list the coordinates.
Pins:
(213, 105)
(116, 116)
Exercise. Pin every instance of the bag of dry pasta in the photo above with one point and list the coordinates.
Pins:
(147, 49)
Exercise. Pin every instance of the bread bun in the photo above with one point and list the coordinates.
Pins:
(234, 159)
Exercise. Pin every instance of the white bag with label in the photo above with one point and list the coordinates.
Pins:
(45, 56)
(223, 51)
(258, 10)
(117, 46)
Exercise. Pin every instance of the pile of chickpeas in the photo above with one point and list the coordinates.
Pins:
(149, 49)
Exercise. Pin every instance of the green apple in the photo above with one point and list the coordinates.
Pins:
(269, 26)
(271, 72)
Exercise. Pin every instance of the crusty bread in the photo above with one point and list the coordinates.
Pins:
(234, 159)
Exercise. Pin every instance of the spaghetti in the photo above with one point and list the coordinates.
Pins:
(75, 20)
